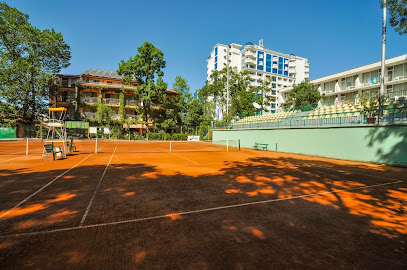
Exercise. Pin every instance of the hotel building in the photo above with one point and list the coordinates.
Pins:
(348, 86)
(284, 70)
(80, 95)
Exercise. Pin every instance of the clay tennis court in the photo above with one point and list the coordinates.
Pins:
(134, 206)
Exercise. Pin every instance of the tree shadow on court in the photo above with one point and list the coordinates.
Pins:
(260, 213)
(380, 137)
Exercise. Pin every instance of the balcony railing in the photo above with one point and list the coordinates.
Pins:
(89, 99)
(115, 116)
(249, 61)
(250, 54)
(111, 101)
(133, 103)
(67, 85)
(89, 115)
(113, 85)
(132, 116)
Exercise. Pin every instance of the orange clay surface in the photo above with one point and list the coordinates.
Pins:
(134, 205)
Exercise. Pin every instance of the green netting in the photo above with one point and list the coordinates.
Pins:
(8, 133)
(77, 124)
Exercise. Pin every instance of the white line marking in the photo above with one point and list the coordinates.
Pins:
(177, 165)
(97, 188)
(42, 188)
(12, 159)
(195, 211)
(185, 158)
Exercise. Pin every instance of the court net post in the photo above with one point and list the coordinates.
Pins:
(26, 148)
(96, 146)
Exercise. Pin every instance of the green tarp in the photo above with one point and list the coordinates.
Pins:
(8, 133)
(76, 124)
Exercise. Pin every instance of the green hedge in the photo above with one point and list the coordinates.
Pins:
(161, 136)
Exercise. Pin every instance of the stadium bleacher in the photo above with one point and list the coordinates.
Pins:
(326, 112)
(265, 118)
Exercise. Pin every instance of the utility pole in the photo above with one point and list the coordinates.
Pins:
(383, 47)
(227, 82)
(381, 93)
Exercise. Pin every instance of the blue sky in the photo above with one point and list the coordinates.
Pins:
(334, 35)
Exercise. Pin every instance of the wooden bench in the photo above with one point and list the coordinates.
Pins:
(49, 149)
(258, 146)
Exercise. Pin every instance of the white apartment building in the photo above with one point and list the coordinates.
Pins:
(348, 86)
(284, 70)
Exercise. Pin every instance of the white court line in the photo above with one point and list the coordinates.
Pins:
(176, 165)
(97, 188)
(11, 159)
(42, 188)
(195, 211)
(185, 158)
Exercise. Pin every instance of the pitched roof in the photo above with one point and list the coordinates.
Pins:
(102, 73)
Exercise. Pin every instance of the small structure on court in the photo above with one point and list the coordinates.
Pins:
(56, 136)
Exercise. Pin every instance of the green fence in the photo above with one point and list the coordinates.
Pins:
(77, 129)
(8, 133)
(373, 143)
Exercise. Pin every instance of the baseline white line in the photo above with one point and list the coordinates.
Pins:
(97, 188)
(42, 188)
(195, 211)
(175, 165)
(11, 159)
(185, 158)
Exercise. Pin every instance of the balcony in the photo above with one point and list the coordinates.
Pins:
(132, 103)
(291, 64)
(111, 101)
(108, 85)
(115, 116)
(275, 66)
(91, 100)
(250, 54)
(275, 59)
(249, 61)
(67, 85)
(132, 116)
(399, 78)
(89, 115)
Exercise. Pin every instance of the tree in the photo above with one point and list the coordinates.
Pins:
(198, 113)
(241, 96)
(398, 14)
(303, 94)
(29, 58)
(182, 99)
(144, 67)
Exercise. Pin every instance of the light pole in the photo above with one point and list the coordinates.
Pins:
(383, 47)
(227, 82)
(381, 92)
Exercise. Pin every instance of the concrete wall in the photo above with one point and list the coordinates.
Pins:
(382, 144)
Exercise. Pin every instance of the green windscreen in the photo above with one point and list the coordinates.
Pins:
(8, 133)
(77, 124)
